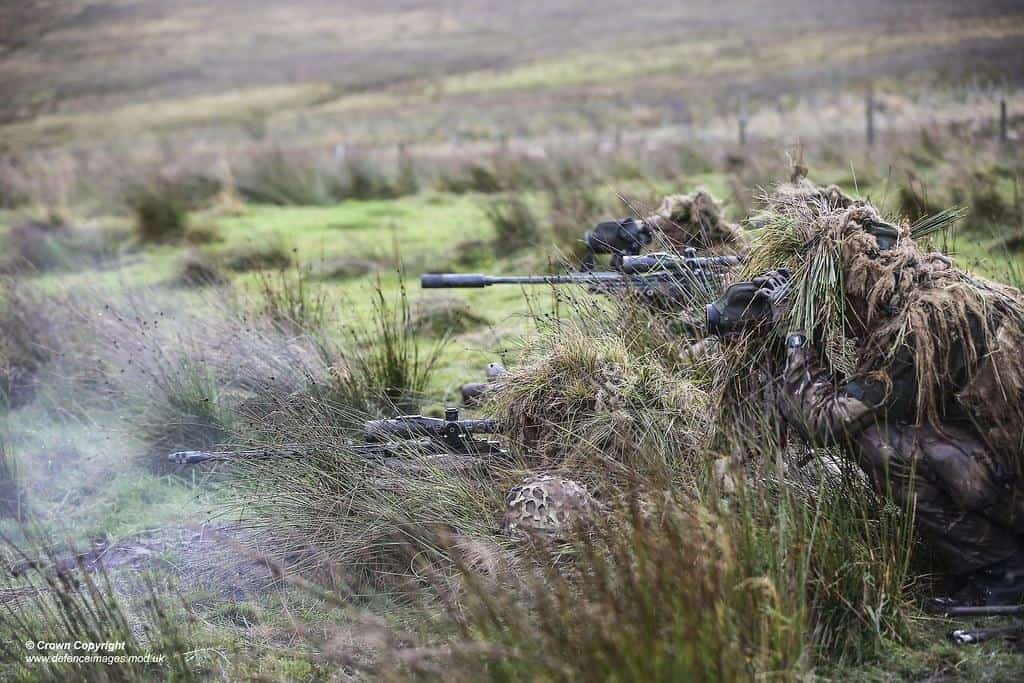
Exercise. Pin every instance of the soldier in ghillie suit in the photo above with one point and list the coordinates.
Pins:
(695, 220)
(915, 369)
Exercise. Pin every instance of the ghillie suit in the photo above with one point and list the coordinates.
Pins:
(910, 365)
(695, 220)
(545, 503)
(590, 405)
(811, 195)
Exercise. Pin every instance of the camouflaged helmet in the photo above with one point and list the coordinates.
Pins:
(545, 503)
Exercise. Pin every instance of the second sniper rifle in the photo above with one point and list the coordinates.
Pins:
(385, 441)
(666, 281)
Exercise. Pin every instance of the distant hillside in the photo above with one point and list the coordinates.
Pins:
(80, 72)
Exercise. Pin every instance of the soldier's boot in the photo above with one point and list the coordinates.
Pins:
(473, 392)
(996, 585)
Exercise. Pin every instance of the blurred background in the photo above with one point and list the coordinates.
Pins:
(92, 92)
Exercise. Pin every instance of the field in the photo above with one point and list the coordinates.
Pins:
(214, 217)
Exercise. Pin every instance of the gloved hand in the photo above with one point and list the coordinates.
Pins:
(774, 286)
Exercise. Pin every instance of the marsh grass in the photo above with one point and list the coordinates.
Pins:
(197, 270)
(272, 177)
(654, 591)
(474, 177)
(681, 577)
(443, 316)
(663, 584)
(28, 340)
(590, 404)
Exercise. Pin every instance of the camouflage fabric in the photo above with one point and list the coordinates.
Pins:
(969, 509)
(546, 503)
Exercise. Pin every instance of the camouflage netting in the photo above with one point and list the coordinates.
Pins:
(580, 400)
(695, 220)
(964, 334)
(548, 504)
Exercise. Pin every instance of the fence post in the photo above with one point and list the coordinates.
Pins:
(1003, 131)
(869, 115)
(742, 119)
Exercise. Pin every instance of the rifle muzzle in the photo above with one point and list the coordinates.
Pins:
(189, 457)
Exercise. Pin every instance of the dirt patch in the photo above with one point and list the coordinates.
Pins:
(208, 557)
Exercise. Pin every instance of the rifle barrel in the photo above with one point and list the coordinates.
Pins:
(461, 280)
(634, 270)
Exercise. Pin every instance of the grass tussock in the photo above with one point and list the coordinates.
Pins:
(277, 177)
(274, 178)
(196, 270)
(382, 361)
(672, 585)
(184, 410)
(160, 214)
(988, 207)
(197, 379)
(292, 302)
(443, 316)
(336, 513)
(345, 268)
(272, 253)
(37, 246)
(579, 401)
(515, 225)
(475, 177)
